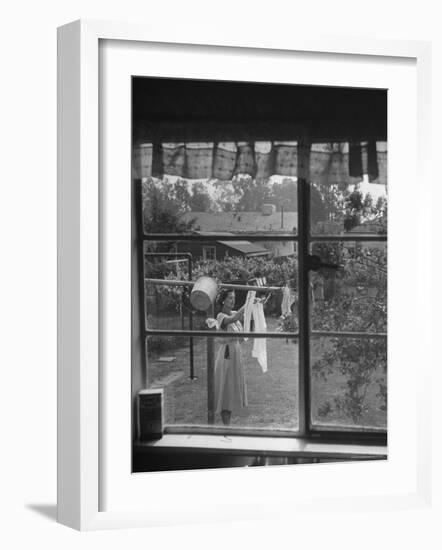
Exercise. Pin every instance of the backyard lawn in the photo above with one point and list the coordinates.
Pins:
(272, 396)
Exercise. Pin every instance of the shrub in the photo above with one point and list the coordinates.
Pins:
(231, 269)
(362, 362)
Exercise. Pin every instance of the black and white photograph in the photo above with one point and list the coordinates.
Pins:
(259, 274)
(221, 282)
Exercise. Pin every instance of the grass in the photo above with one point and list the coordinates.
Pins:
(272, 396)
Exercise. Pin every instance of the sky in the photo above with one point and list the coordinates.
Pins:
(374, 189)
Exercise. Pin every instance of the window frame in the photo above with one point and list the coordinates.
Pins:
(306, 238)
(302, 239)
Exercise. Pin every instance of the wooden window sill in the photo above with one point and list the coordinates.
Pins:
(259, 446)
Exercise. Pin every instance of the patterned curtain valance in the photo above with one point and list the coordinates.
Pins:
(330, 163)
(347, 163)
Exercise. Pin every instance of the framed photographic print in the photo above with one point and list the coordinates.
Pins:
(229, 321)
(305, 355)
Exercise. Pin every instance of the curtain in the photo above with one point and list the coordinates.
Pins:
(340, 163)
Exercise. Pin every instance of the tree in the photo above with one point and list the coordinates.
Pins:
(382, 213)
(284, 194)
(180, 194)
(327, 203)
(162, 214)
(200, 200)
(252, 193)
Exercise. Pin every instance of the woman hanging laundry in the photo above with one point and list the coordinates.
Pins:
(230, 381)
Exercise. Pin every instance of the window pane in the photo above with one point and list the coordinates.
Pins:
(240, 205)
(342, 208)
(352, 297)
(268, 399)
(169, 306)
(349, 383)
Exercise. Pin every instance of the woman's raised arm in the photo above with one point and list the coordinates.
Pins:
(227, 319)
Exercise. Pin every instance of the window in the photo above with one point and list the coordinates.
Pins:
(209, 253)
(301, 224)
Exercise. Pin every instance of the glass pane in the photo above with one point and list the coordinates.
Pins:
(257, 399)
(171, 306)
(349, 383)
(339, 209)
(352, 296)
(240, 205)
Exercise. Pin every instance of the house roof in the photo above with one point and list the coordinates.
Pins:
(242, 221)
(246, 247)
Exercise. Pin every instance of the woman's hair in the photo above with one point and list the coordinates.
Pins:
(220, 299)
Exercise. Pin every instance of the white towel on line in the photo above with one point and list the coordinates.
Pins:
(248, 310)
(256, 311)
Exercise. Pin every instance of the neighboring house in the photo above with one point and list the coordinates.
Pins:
(376, 226)
(328, 228)
(218, 250)
(268, 220)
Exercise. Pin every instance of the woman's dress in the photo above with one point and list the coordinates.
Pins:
(230, 382)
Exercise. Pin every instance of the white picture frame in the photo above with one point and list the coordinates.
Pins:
(79, 274)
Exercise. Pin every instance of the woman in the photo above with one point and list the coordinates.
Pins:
(230, 382)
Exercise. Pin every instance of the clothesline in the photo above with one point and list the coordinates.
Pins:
(174, 282)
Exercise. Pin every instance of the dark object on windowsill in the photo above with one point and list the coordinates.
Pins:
(150, 414)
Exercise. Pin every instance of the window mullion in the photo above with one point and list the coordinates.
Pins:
(138, 301)
(213, 237)
(303, 190)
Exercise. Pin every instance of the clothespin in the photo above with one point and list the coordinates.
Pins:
(262, 281)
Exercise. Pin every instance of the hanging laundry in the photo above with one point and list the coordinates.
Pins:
(250, 299)
(288, 299)
(260, 344)
(285, 304)
(255, 310)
